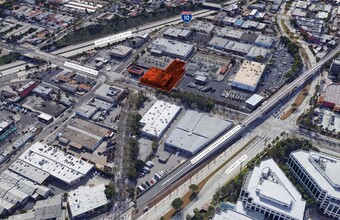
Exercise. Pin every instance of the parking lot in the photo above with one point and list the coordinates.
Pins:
(329, 120)
(274, 76)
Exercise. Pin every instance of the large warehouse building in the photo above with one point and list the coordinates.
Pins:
(171, 48)
(158, 118)
(195, 131)
(81, 134)
(248, 76)
(267, 190)
(41, 159)
(319, 174)
(330, 98)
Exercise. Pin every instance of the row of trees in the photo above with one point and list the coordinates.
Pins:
(293, 50)
(279, 150)
(9, 58)
(117, 24)
(193, 101)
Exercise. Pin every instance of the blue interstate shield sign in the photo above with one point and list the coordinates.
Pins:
(186, 16)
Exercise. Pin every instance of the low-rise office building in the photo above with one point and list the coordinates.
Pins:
(268, 191)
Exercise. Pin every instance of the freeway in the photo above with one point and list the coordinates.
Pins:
(226, 139)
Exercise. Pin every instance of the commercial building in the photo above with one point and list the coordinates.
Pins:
(202, 26)
(231, 215)
(121, 51)
(254, 101)
(43, 91)
(171, 48)
(177, 33)
(147, 60)
(238, 48)
(59, 165)
(264, 41)
(255, 52)
(158, 118)
(109, 93)
(86, 111)
(26, 88)
(330, 98)
(195, 131)
(135, 70)
(268, 191)
(86, 200)
(164, 79)
(248, 76)
(318, 173)
(5, 125)
(46, 118)
(81, 134)
(218, 43)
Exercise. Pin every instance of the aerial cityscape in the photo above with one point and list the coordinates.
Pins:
(170, 109)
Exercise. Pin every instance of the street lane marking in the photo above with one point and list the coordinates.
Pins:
(236, 164)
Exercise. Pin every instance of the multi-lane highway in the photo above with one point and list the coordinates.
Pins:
(226, 139)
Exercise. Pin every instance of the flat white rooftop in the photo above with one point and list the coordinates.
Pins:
(86, 198)
(172, 47)
(324, 169)
(59, 164)
(158, 118)
(270, 188)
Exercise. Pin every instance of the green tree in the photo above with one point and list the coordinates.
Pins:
(193, 187)
(177, 204)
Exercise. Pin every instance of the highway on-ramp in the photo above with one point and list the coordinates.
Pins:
(226, 139)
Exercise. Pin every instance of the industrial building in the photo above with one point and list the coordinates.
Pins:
(264, 41)
(254, 101)
(255, 52)
(267, 190)
(81, 134)
(237, 48)
(171, 48)
(109, 93)
(218, 43)
(195, 131)
(17, 190)
(86, 111)
(44, 209)
(121, 51)
(248, 76)
(202, 26)
(158, 118)
(85, 200)
(330, 98)
(319, 174)
(178, 33)
(147, 60)
(55, 162)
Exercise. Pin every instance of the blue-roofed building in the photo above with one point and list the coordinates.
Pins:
(239, 22)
